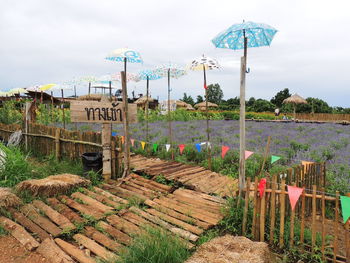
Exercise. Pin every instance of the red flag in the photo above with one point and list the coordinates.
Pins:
(224, 150)
(181, 147)
(205, 86)
(294, 194)
(262, 185)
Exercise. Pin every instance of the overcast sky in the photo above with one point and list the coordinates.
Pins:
(52, 41)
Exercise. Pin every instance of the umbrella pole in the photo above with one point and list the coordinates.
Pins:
(51, 106)
(242, 120)
(295, 111)
(89, 88)
(146, 107)
(63, 115)
(75, 91)
(169, 118)
(126, 123)
(110, 89)
(207, 115)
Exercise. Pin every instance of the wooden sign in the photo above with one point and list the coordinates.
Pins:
(101, 112)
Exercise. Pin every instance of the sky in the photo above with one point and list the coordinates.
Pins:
(53, 41)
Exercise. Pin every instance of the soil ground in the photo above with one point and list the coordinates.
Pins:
(11, 251)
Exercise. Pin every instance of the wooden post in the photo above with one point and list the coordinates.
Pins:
(106, 148)
(113, 157)
(126, 125)
(313, 226)
(273, 209)
(28, 118)
(323, 205)
(347, 238)
(207, 115)
(302, 224)
(255, 204)
(336, 221)
(57, 143)
(246, 206)
(262, 218)
(282, 213)
(90, 88)
(64, 121)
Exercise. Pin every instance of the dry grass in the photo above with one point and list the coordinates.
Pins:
(52, 185)
(8, 199)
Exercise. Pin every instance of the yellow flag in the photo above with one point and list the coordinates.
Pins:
(143, 145)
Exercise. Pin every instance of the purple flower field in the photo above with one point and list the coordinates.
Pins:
(292, 141)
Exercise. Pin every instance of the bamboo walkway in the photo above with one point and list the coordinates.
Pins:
(105, 219)
(193, 177)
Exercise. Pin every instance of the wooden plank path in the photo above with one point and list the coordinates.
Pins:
(193, 177)
(109, 218)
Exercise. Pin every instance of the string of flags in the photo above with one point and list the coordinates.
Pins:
(294, 194)
(198, 146)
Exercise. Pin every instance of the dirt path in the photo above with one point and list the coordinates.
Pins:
(13, 252)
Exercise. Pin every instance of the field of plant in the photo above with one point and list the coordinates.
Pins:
(294, 142)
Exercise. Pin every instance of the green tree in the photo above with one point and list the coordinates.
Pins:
(188, 99)
(279, 97)
(261, 105)
(215, 93)
(230, 104)
(199, 99)
(314, 105)
(250, 102)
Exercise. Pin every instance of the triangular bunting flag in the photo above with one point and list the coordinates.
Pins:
(181, 147)
(345, 207)
(167, 147)
(247, 154)
(155, 147)
(274, 158)
(143, 145)
(294, 194)
(198, 146)
(261, 186)
(224, 150)
(132, 142)
(123, 139)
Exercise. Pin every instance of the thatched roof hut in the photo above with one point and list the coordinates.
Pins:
(143, 100)
(295, 99)
(202, 105)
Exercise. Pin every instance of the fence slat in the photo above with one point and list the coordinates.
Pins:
(246, 206)
(282, 213)
(292, 216)
(273, 209)
(255, 206)
(313, 226)
(336, 220)
(323, 204)
(262, 217)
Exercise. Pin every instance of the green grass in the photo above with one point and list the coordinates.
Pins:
(3, 231)
(155, 246)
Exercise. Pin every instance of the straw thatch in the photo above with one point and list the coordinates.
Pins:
(52, 185)
(295, 99)
(203, 104)
(189, 107)
(8, 199)
(143, 100)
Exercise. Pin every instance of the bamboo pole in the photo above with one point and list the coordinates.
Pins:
(63, 115)
(169, 119)
(292, 219)
(273, 209)
(302, 224)
(126, 124)
(146, 108)
(336, 221)
(323, 205)
(255, 206)
(246, 207)
(282, 213)
(313, 226)
(207, 115)
(262, 217)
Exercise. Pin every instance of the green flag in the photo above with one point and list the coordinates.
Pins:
(274, 158)
(155, 147)
(345, 207)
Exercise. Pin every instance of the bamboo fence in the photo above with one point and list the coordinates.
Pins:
(308, 228)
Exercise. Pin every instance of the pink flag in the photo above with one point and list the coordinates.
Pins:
(132, 142)
(262, 186)
(294, 194)
(224, 150)
(181, 147)
(247, 154)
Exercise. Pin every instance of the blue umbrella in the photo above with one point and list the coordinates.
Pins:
(242, 36)
(148, 74)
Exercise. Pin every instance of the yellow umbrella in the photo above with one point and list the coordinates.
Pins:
(46, 87)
